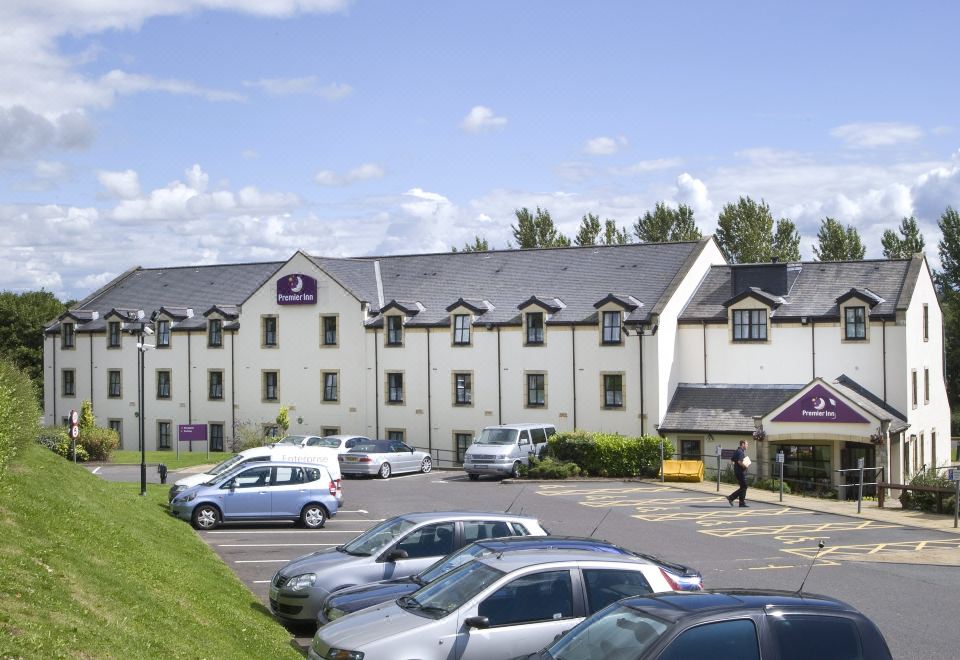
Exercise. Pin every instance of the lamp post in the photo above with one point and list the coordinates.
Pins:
(142, 348)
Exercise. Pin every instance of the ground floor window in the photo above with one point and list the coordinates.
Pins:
(163, 435)
(330, 430)
(806, 467)
(116, 425)
(462, 441)
(216, 437)
(690, 450)
(395, 435)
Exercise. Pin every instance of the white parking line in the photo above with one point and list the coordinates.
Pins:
(95, 470)
(262, 581)
(262, 561)
(292, 531)
(270, 545)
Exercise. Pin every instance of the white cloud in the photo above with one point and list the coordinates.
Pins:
(604, 146)
(50, 169)
(365, 172)
(121, 82)
(647, 166)
(877, 134)
(481, 118)
(306, 85)
(249, 154)
(24, 133)
(693, 192)
(95, 281)
(124, 185)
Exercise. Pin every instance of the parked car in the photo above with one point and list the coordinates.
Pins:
(383, 458)
(295, 440)
(395, 548)
(288, 452)
(352, 599)
(723, 625)
(502, 450)
(261, 491)
(498, 606)
(341, 443)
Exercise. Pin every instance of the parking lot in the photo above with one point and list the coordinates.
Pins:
(905, 579)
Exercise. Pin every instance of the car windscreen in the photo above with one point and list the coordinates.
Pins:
(451, 591)
(226, 465)
(617, 631)
(496, 437)
(332, 443)
(375, 539)
(453, 561)
(291, 440)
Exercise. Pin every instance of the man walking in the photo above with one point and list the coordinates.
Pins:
(740, 464)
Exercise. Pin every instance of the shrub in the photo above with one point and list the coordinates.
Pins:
(549, 468)
(19, 413)
(771, 484)
(247, 435)
(609, 454)
(98, 443)
(921, 501)
(57, 440)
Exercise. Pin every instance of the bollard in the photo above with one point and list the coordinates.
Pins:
(162, 469)
(780, 461)
(860, 486)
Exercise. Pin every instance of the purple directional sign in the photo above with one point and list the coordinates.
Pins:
(296, 289)
(818, 404)
(191, 432)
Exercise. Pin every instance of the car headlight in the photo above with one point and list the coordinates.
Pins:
(343, 654)
(333, 613)
(189, 498)
(301, 582)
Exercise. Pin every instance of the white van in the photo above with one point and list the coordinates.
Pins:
(501, 450)
(324, 456)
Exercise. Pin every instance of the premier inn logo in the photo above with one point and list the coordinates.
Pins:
(818, 404)
(296, 289)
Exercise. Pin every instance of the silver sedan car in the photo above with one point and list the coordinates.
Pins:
(496, 607)
(383, 458)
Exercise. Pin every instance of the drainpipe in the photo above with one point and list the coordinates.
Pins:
(376, 379)
(499, 389)
(190, 386)
(573, 354)
(53, 378)
(884, 332)
(813, 350)
(640, 334)
(704, 324)
(91, 372)
(233, 383)
(429, 401)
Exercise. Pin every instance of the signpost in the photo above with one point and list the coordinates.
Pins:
(191, 433)
(780, 464)
(719, 458)
(953, 475)
(74, 432)
(860, 484)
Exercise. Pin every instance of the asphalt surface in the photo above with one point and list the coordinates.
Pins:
(900, 577)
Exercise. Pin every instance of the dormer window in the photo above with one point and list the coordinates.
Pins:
(461, 329)
(394, 330)
(113, 334)
(611, 328)
(534, 328)
(67, 338)
(855, 323)
(163, 334)
(215, 333)
(749, 325)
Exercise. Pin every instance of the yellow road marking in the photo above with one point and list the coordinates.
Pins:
(721, 514)
(866, 549)
(800, 528)
(551, 490)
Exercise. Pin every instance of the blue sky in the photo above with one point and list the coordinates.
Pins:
(135, 136)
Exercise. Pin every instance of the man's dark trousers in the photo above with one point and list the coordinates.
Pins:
(740, 493)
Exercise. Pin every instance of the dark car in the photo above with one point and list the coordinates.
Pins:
(362, 596)
(727, 625)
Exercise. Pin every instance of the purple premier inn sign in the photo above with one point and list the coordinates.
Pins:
(191, 432)
(296, 289)
(820, 405)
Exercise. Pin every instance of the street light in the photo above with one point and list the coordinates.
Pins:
(142, 348)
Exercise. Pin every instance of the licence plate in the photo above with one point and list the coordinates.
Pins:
(351, 459)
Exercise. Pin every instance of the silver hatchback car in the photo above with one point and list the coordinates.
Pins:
(395, 548)
(496, 607)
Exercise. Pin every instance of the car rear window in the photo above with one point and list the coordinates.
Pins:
(812, 636)
(538, 435)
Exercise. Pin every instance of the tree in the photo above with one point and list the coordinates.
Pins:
(949, 248)
(838, 244)
(535, 231)
(745, 232)
(86, 420)
(613, 235)
(589, 230)
(948, 281)
(907, 244)
(283, 420)
(666, 224)
(479, 245)
(22, 319)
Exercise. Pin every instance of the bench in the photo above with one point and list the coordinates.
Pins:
(940, 491)
(674, 470)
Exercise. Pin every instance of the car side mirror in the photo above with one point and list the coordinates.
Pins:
(477, 622)
(230, 484)
(394, 555)
(412, 450)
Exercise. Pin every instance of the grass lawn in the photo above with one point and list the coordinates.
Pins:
(170, 458)
(92, 570)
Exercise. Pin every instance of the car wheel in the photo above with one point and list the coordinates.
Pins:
(515, 470)
(313, 516)
(384, 471)
(206, 516)
(426, 464)
(474, 477)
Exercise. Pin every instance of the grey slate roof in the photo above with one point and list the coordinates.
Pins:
(813, 287)
(722, 408)
(871, 403)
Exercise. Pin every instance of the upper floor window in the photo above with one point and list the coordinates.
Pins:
(114, 390)
(611, 328)
(394, 388)
(536, 389)
(113, 334)
(69, 382)
(163, 334)
(749, 324)
(913, 388)
(329, 330)
(462, 389)
(215, 333)
(534, 327)
(271, 385)
(163, 384)
(67, 338)
(215, 391)
(855, 323)
(926, 385)
(926, 322)
(270, 331)
(330, 386)
(461, 329)
(394, 330)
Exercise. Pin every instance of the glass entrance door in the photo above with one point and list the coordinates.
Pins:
(849, 454)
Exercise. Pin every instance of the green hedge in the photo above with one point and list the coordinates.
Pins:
(19, 413)
(549, 468)
(610, 454)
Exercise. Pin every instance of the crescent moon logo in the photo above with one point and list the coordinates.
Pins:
(296, 288)
(819, 403)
